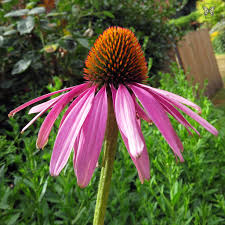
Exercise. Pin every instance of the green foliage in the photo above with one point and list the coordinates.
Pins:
(218, 37)
(38, 43)
(218, 12)
(184, 22)
(177, 193)
(219, 43)
(57, 42)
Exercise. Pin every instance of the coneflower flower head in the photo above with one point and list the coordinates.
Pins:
(116, 58)
(115, 68)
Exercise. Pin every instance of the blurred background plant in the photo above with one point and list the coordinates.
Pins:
(42, 39)
(200, 14)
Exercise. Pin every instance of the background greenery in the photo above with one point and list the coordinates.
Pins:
(43, 46)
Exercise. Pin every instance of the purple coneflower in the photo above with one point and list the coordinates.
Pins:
(115, 69)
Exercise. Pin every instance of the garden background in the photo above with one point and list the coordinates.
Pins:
(43, 46)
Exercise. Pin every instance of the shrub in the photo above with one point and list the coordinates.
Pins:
(218, 12)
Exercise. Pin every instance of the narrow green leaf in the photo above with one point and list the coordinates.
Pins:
(109, 14)
(37, 10)
(9, 32)
(15, 13)
(83, 42)
(13, 219)
(1, 41)
(43, 190)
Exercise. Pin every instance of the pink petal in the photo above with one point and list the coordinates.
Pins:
(126, 119)
(54, 113)
(69, 131)
(13, 112)
(172, 96)
(141, 113)
(44, 105)
(141, 163)
(91, 139)
(159, 117)
(173, 111)
(113, 91)
(37, 116)
(195, 116)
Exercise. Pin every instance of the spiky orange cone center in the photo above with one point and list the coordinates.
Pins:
(116, 58)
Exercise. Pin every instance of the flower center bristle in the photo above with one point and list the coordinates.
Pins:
(115, 58)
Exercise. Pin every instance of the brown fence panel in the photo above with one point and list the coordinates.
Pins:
(197, 57)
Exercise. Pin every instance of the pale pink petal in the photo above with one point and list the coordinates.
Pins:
(13, 112)
(54, 113)
(44, 105)
(69, 131)
(141, 113)
(141, 163)
(75, 147)
(126, 119)
(91, 139)
(37, 116)
(188, 111)
(195, 116)
(173, 111)
(160, 119)
(172, 96)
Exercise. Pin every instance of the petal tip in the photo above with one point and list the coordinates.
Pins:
(11, 114)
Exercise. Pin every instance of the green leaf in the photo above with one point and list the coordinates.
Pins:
(37, 10)
(13, 219)
(25, 26)
(109, 14)
(21, 66)
(9, 32)
(15, 13)
(6, 1)
(1, 41)
(43, 190)
(83, 42)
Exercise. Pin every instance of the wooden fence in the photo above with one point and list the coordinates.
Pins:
(195, 55)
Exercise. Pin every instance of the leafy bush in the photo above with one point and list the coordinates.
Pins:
(38, 42)
(217, 34)
(177, 193)
(185, 22)
(218, 11)
(219, 43)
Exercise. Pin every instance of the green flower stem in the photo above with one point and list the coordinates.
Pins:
(110, 145)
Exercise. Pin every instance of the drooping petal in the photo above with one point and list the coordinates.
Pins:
(172, 96)
(142, 163)
(38, 115)
(160, 119)
(54, 113)
(44, 105)
(141, 113)
(13, 112)
(186, 110)
(69, 131)
(195, 116)
(126, 119)
(91, 139)
(173, 111)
